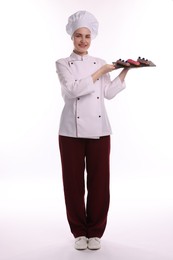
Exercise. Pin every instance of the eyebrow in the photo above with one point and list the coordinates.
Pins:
(80, 34)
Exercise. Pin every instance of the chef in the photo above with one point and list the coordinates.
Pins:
(84, 132)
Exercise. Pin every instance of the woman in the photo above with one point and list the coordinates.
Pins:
(84, 133)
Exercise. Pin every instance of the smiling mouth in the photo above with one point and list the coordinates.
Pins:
(82, 45)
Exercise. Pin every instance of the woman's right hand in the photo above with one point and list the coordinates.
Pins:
(107, 68)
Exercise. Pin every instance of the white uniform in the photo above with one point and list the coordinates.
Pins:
(84, 114)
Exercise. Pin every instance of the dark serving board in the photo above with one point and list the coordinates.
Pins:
(140, 62)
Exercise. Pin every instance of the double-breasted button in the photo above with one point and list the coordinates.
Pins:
(94, 62)
(99, 115)
(78, 98)
(71, 62)
(97, 97)
(77, 117)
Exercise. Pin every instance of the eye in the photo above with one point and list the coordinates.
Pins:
(77, 35)
(88, 36)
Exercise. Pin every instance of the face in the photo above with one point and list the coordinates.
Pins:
(81, 40)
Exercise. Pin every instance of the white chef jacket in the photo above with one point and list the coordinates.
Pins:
(84, 114)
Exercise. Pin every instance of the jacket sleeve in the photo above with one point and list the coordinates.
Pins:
(112, 88)
(71, 87)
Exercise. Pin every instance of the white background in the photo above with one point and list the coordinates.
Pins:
(32, 214)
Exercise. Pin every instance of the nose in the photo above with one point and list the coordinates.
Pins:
(83, 38)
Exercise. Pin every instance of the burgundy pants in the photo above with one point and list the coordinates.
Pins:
(90, 156)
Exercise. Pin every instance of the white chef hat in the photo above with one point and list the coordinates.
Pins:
(82, 19)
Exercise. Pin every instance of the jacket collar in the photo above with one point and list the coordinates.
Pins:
(75, 56)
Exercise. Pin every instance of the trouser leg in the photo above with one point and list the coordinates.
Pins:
(72, 152)
(97, 164)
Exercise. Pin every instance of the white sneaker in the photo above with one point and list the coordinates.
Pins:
(94, 243)
(81, 243)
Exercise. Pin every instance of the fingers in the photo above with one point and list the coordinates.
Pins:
(110, 67)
